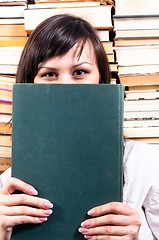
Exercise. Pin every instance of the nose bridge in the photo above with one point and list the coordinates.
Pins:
(65, 78)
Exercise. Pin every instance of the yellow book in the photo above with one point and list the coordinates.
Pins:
(11, 41)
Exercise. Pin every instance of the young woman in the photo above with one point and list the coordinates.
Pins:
(66, 49)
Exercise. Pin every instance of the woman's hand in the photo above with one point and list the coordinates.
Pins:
(113, 221)
(22, 208)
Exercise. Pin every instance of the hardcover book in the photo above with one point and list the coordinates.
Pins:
(99, 16)
(67, 143)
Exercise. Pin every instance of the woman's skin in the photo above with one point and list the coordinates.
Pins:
(69, 68)
(113, 221)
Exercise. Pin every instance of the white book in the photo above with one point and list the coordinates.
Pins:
(103, 34)
(99, 16)
(137, 32)
(141, 123)
(126, 22)
(136, 7)
(12, 11)
(46, 4)
(141, 105)
(5, 118)
(8, 69)
(143, 132)
(5, 151)
(138, 95)
(10, 55)
(141, 115)
(139, 69)
(137, 55)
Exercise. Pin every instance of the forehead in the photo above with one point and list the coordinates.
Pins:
(78, 53)
(84, 49)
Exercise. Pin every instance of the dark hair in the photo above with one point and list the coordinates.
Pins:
(54, 37)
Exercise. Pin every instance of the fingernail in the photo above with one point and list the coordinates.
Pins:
(85, 224)
(48, 204)
(91, 212)
(83, 230)
(44, 219)
(87, 237)
(48, 212)
(33, 191)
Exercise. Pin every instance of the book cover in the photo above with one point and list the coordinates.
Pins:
(67, 143)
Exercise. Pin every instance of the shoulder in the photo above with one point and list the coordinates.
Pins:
(140, 151)
(141, 158)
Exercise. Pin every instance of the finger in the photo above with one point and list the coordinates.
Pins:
(112, 207)
(16, 184)
(25, 211)
(105, 231)
(17, 220)
(104, 237)
(110, 219)
(24, 199)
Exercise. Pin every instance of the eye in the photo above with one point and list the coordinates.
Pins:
(79, 73)
(50, 75)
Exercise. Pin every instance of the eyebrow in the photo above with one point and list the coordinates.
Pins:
(49, 68)
(76, 65)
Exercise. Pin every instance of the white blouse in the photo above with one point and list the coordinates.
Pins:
(141, 185)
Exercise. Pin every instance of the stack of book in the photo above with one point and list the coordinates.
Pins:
(12, 40)
(12, 34)
(141, 116)
(98, 13)
(6, 84)
(136, 26)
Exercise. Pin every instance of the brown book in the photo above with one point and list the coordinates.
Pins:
(108, 46)
(5, 94)
(143, 87)
(139, 79)
(5, 152)
(13, 3)
(5, 128)
(4, 85)
(6, 107)
(12, 30)
(141, 132)
(5, 140)
(13, 41)
(4, 164)
(7, 78)
(136, 41)
(153, 140)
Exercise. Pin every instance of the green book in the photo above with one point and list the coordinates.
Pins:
(68, 143)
